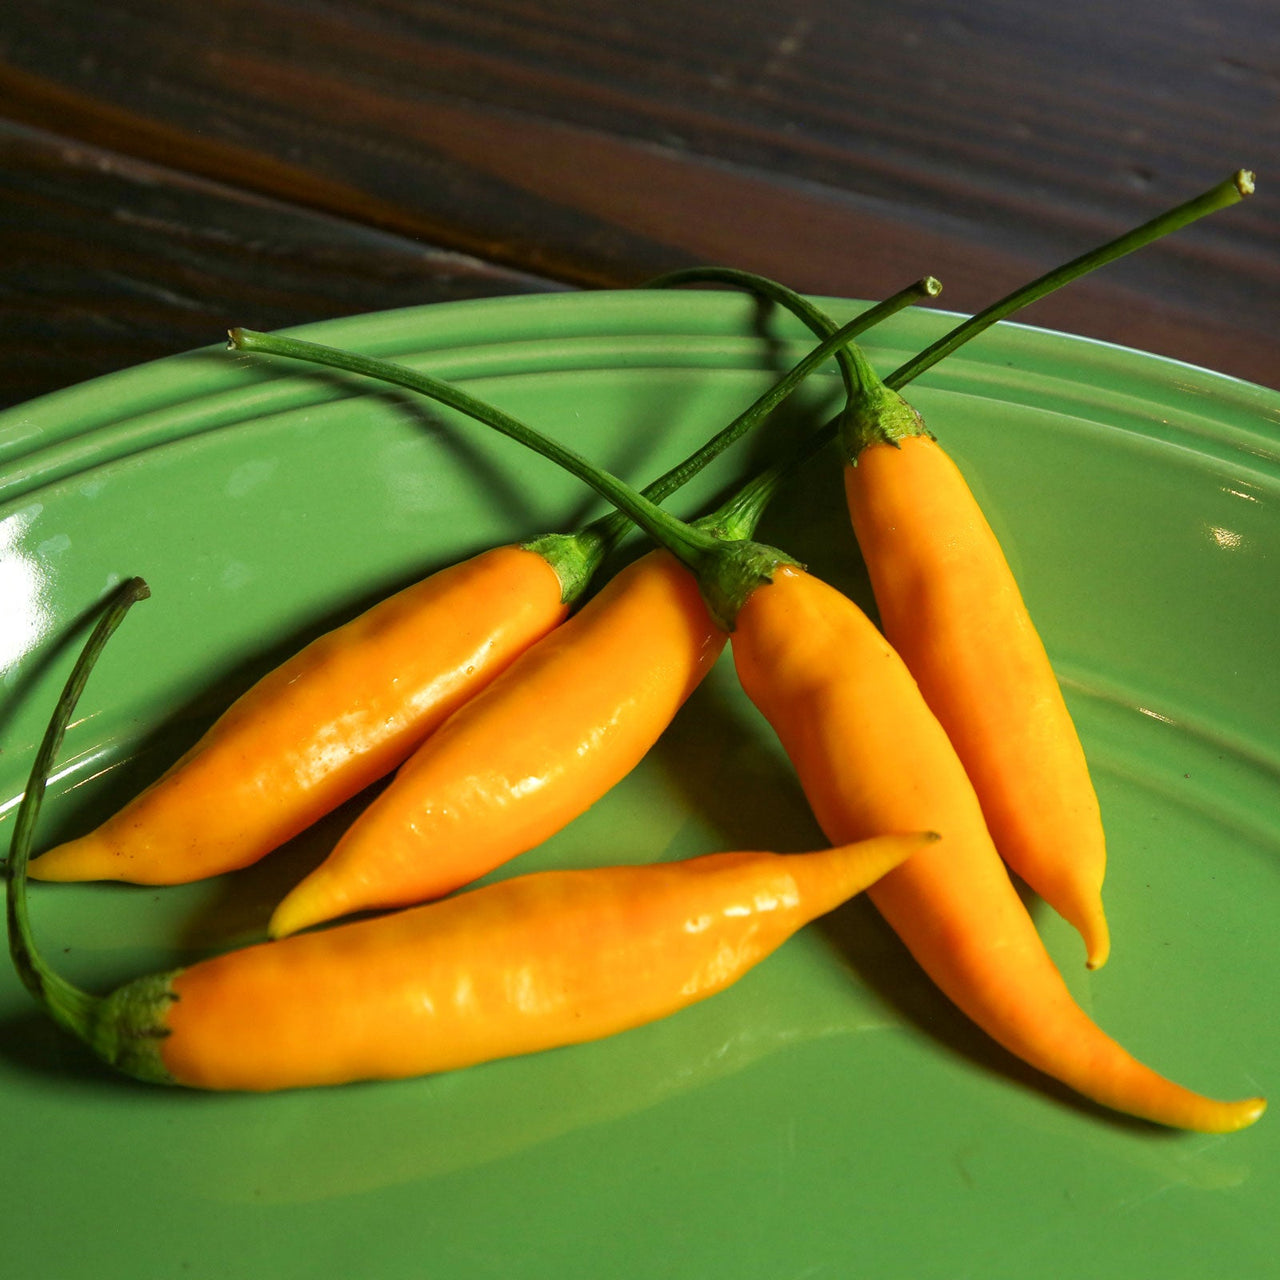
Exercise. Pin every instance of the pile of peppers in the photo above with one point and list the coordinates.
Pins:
(935, 750)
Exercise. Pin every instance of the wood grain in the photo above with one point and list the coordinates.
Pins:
(842, 146)
(107, 261)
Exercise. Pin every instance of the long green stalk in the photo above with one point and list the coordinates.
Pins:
(835, 341)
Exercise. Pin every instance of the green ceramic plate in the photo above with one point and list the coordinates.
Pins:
(831, 1115)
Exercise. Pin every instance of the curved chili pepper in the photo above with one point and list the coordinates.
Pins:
(534, 962)
(531, 963)
(869, 751)
(949, 603)
(871, 756)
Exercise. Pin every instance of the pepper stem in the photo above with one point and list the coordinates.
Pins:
(875, 412)
(1224, 194)
(819, 323)
(69, 1006)
(859, 378)
(871, 411)
(726, 572)
(576, 556)
(580, 553)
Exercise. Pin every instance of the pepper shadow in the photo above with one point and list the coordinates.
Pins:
(780, 433)
(498, 474)
(236, 912)
(503, 476)
(32, 1044)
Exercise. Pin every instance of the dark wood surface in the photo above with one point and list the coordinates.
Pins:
(167, 169)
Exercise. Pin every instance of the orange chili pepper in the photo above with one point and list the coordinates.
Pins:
(527, 964)
(330, 721)
(950, 605)
(871, 756)
(537, 961)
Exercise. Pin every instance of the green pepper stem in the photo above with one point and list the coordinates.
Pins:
(1228, 192)
(870, 410)
(854, 370)
(818, 321)
(595, 540)
(647, 514)
(879, 415)
(608, 530)
(725, 572)
(69, 1006)
(861, 381)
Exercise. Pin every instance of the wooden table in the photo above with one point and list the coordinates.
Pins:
(172, 169)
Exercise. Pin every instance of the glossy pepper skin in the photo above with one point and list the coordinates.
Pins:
(526, 964)
(949, 604)
(569, 719)
(871, 756)
(330, 721)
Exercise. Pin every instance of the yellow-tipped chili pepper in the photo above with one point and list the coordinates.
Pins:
(537, 961)
(531, 963)
(949, 603)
